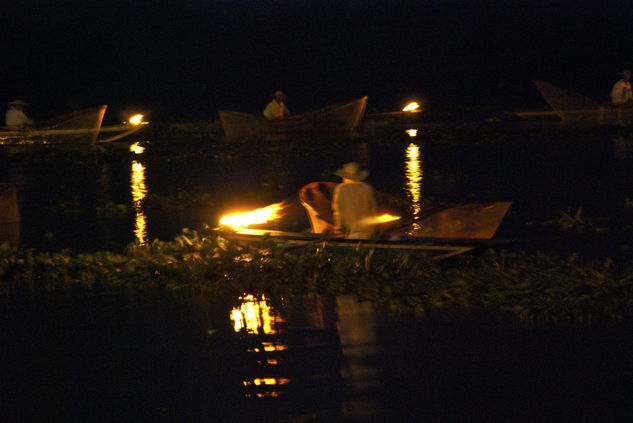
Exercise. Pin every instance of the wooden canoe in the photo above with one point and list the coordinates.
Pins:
(80, 128)
(434, 248)
(472, 221)
(338, 119)
(572, 107)
(439, 232)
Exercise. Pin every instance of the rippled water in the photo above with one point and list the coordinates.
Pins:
(159, 358)
(542, 179)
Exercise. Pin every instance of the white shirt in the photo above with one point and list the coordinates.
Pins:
(16, 117)
(352, 202)
(276, 110)
(621, 92)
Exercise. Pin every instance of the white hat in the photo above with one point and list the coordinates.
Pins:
(281, 94)
(352, 171)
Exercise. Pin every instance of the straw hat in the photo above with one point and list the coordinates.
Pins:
(18, 103)
(280, 94)
(352, 171)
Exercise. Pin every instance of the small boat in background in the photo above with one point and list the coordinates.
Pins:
(78, 128)
(572, 107)
(339, 119)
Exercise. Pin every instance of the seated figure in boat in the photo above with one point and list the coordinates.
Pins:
(621, 91)
(277, 108)
(15, 117)
(352, 201)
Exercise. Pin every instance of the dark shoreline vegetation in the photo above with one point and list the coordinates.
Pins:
(540, 287)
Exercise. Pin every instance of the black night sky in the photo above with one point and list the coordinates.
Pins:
(184, 59)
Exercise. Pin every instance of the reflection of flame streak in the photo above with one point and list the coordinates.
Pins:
(412, 132)
(136, 148)
(253, 315)
(139, 191)
(413, 173)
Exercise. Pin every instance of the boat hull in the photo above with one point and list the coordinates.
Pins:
(572, 107)
(340, 119)
(434, 248)
(80, 128)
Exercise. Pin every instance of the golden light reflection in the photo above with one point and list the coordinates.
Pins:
(267, 381)
(412, 107)
(139, 191)
(136, 148)
(258, 216)
(376, 220)
(413, 173)
(412, 132)
(253, 315)
(136, 119)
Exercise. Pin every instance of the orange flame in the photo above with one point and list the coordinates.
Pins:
(136, 119)
(258, 216)
(412, 107)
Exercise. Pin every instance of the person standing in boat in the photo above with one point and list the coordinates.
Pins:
(620, 96)
(277, 108)
(621, 91)
(16, 117)
(352, 201)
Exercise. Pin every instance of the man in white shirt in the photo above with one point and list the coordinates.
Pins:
(277, 109)
(15, 116)
(621, 91)
(353, 201)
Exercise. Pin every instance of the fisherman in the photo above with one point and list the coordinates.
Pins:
(621, 91)
(277, 108)
(15, 117)
(352, 201)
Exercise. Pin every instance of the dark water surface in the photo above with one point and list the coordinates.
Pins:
(158, 357)
(58, 202)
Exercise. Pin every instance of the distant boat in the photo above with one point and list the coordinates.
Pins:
(78, 128)
(572, 107)
(339, 119)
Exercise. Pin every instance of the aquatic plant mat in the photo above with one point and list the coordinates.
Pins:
(531, 288)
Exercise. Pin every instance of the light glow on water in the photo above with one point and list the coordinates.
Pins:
(413, 176)
(139, 192)
(137, 148)
(412, 132)
(253, 315)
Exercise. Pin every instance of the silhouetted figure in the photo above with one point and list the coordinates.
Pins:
(277, 108)
(353, 201)
(15, 117)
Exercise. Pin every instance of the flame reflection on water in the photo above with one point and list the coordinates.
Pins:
(139, 192)
(413, 174)
(255, 317)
